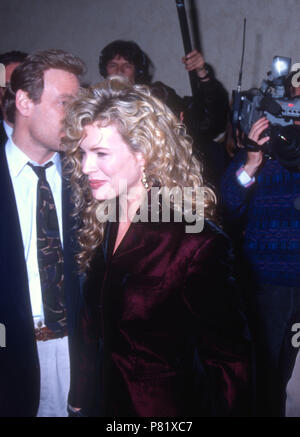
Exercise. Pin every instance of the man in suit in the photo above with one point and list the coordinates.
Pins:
(39, 297)
(10, 60)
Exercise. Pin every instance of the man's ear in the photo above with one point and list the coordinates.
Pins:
(23, 103)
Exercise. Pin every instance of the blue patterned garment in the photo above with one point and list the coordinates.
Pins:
(270, 216)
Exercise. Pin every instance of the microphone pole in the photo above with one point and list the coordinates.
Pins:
(185, 33)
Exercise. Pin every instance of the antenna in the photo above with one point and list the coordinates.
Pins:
(236, 94)
(239, 85)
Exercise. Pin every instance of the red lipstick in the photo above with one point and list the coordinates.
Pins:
(95, 183)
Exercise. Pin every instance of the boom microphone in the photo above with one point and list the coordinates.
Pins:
(185, 33)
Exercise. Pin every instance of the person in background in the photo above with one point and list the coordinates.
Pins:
(260, 197)
(10, 60)
(40, 290)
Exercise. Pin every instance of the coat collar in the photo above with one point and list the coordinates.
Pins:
(3, 135)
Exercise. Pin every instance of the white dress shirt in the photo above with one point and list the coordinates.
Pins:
(24, 182)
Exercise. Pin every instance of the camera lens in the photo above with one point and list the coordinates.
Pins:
(286, 145)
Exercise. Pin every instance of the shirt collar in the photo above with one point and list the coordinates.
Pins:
(8, 129)
(18, 159)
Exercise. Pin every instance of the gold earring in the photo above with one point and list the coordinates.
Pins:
(144, 179)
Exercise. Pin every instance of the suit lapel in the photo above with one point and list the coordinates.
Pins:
(13, 271)
(9, 213)
(3, 136)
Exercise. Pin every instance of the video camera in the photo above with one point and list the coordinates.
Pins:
(272, 100)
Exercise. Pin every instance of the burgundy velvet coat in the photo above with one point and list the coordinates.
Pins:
(166, 312)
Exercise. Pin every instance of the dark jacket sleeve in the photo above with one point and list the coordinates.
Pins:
(205, 114)
(212, 98)
(222, 339)
(207, 111)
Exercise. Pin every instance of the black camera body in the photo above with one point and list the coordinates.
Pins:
(279, 111)
(273, 102)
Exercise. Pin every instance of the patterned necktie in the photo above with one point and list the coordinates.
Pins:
(49, 254)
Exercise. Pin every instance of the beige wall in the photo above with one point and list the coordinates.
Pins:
(85, 26)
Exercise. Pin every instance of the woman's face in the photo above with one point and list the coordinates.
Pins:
(111, 167)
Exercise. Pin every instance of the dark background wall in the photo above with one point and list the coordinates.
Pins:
(85, 26)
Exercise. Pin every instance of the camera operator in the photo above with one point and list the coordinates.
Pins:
(260, 197)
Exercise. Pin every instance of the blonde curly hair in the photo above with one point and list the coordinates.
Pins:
(147, 126)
